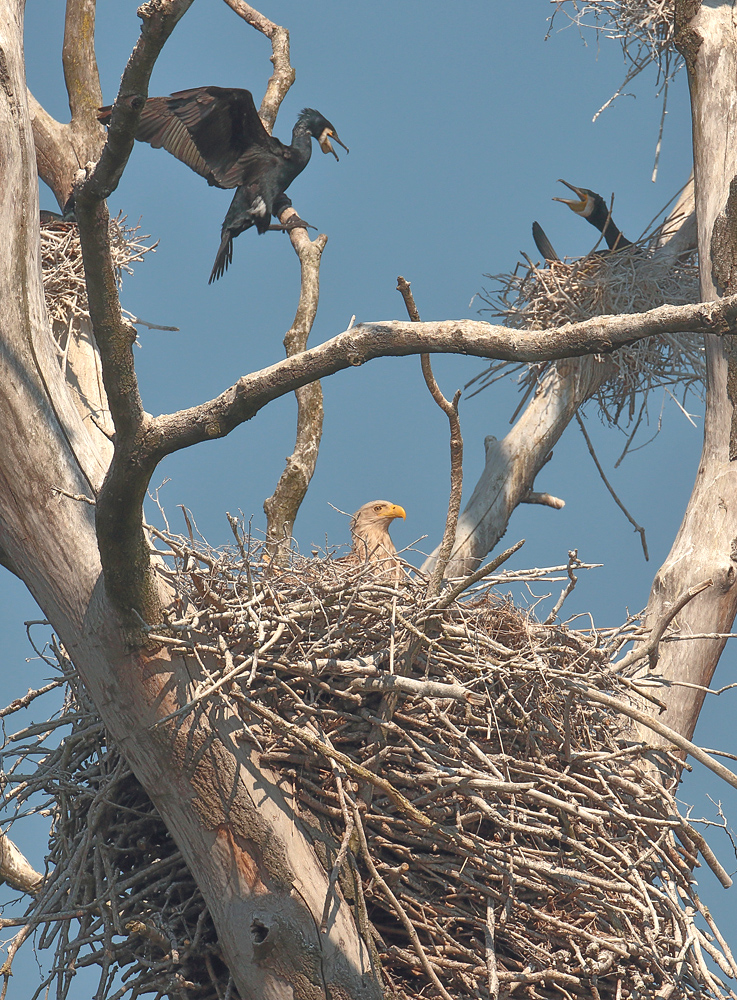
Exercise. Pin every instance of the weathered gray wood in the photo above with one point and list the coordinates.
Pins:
(16, 869)
(706, 544)
(513, 463)
(282, 506)
(236, 828)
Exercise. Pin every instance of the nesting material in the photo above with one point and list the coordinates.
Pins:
(501, 834)
(632, 280)
(644, 29)
(63, 270)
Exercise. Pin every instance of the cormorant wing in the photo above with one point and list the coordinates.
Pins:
(210, 129)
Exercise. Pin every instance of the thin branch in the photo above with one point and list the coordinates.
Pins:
(417, 688)
(636, 526)
(491, 967)
(650, 648)
(468, 581)
(282, 506)
(283, 75)
(450, 409)
(573, 561)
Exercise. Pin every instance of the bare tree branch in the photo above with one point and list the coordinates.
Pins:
(159, 19)
(649, 648)
(366, 341)
(283, 76)
(123, 547)
(80, 67)
(55, 155)
(512, 464)
(640, 530)
(282, 506)
(16, 869)
(456, 450)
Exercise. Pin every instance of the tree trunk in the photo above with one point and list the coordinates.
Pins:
(237, 830)
(706, 544)
(513, 463)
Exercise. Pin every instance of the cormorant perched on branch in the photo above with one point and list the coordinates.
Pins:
(218, 133)
(595, 210)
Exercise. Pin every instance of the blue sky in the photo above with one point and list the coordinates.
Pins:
(459, 120)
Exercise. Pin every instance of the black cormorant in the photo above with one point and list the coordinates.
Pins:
(218, 133)
(594, 209)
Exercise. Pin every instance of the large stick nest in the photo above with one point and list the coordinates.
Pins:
(502, 834)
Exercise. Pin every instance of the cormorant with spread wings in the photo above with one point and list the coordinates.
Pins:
(218, 133)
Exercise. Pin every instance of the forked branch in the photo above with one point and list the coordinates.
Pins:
(282, 506)
(450, 409)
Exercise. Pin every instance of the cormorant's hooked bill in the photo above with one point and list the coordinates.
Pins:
(217, 132)
(595, 210)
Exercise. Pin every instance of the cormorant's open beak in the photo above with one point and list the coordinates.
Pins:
(394, 510)
(325, 144)
(578, 205)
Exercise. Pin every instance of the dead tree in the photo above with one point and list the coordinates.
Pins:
(71, 522)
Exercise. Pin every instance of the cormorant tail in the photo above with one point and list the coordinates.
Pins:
(542, 243)
(224, 257)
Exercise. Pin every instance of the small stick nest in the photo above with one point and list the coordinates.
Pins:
(632, 280)
(65, 290)
(496, 833)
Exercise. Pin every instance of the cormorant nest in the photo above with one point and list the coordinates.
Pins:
(632, 280)
(65, 290)
(494, 828)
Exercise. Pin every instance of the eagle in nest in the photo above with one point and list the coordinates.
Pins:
(371, 540)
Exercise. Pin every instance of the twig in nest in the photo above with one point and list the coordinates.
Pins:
(573, 561)
(636, 526)
(447, 599)
(397, 907)
(650, 648)
(456, 451)
(491, 953)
